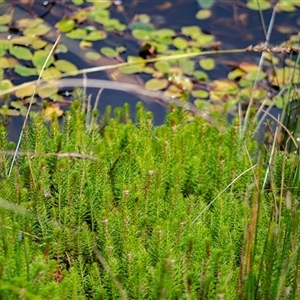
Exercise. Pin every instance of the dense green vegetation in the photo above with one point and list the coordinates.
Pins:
(127, 210)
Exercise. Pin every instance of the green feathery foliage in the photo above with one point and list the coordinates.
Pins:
(127, 210)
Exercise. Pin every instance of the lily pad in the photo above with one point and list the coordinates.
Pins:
(155, 84)
(78, 34)
(40, 57)
(46, 91)
(207, 64)
(20, 52)
(25, 91)
(38, 30)
(109, 52)
(203, 14)
(51, 73)
(180, 43)
(96, 35)
(52, 112)
(5, 85)
(65, 66)
(5, 19)
(25, 71)
(65, 25)
(91, 55)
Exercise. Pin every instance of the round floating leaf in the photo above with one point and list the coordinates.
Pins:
(38, 44)
(285, 6)
(164, 33)
(65, 25)
(5, 19)
(109, 52)
(225, 86)
(162, 66)
(200, 94)
(24, 71)
(173, 91)
(96, 36)
(236, 73)
(207, 64)
(20, 52)
(192, 31)
(131, 69)
(205, 40)
(77, 34)
(148, 70)
(206, 3)
(65, 66)
(200, 75)
(5, 111)
(255, 75)
(182, 81)
(92, 55)
(25, 91)
(203, 104)
(141, 26)
(144, 18)
(248, 67)
(187, 66)
(80, 16)
(8, 62)
(102, 4)
(180, 43)
(51, 73)
(46, 91)
(40, 29)
(5, 85)
(259, 5)
(17, 104)
(40, 57)
(203, 14)
(141, 34)
(136, 60)
(155, 84)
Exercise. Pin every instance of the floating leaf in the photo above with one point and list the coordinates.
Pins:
(206, 3)
(17, 104)
(78, 2)
(200, 94)
(65, 25)
(180, 43)
(259, 5)
(51, 73)
(203, 14)
(24, 71)
(162, 66)
(96, 35)
(207, 64)
(46, 91)
(236, 73)
(5, 85)
(205, 40)
(255, 75)
(200, 75)
(192, 31)
(20, 52)
(40, 57)
(155, 84)
(78, 34)
(38, 30)
(8, 62)
(80, 16)
(164, 33)
(103, 4)
(285, 6)
(65, 66)
(109, 52)
(141, 34)
(5, 111)
(187, 66)
(1, 73)
(182, 81)
(25, 91)
(92, 55)
(142, 26)
(173, 91)
(248, 67)
(5, 19)
(224, 85)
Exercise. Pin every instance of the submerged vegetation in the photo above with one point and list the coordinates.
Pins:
(110, 206)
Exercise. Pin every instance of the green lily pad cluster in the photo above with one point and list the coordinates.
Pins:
(27, 53)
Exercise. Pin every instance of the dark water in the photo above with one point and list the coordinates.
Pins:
(231, 23)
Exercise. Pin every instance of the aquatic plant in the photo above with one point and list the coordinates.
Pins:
(132, 211)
